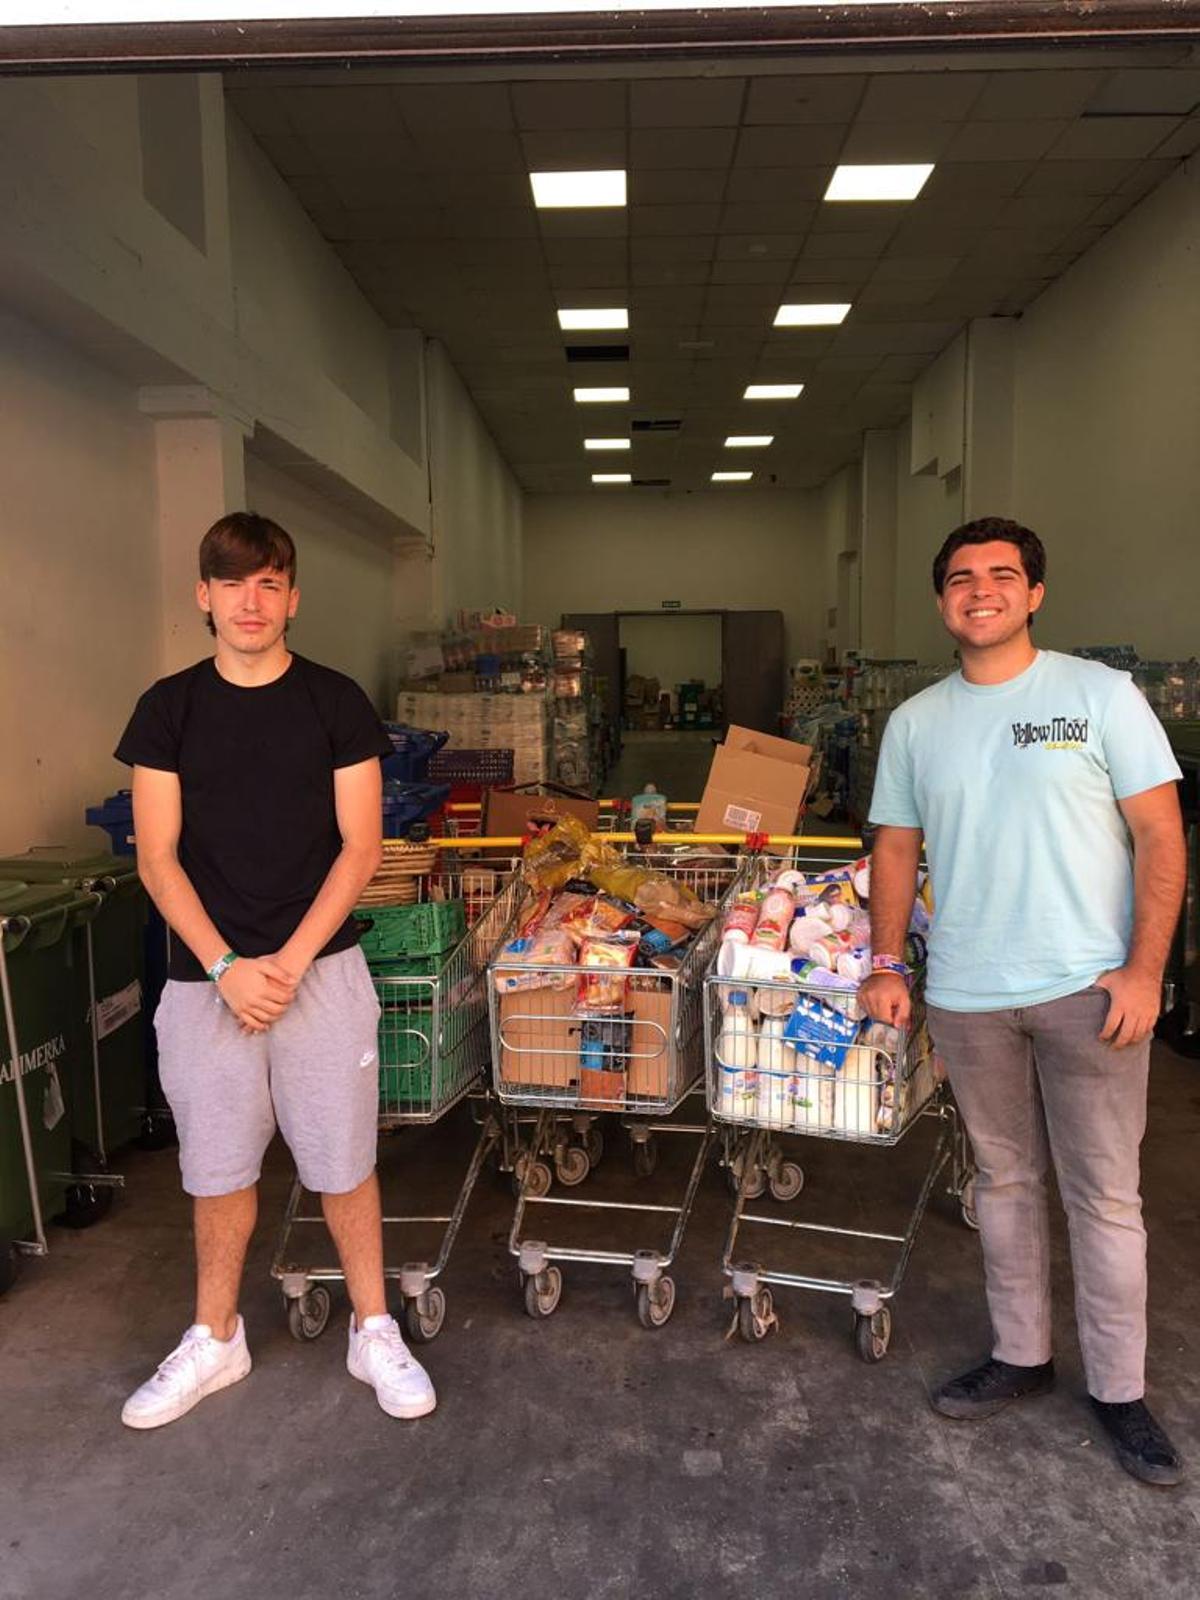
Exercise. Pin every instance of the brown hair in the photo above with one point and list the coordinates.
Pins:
(986, 530)
(242, 543)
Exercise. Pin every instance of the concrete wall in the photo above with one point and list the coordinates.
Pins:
(345, 576)
(148, 334)
(79, 596)
(614, 551)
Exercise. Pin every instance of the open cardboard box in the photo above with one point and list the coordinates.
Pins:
(757, 784)
(510, 813)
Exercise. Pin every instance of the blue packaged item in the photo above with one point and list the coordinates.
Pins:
(818, 1031)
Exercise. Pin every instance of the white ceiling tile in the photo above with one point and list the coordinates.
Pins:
(890, 296)
(602, 252)
(956, 180)
(920, 96)
(909, 269)
(483, 106)
(650, 273)
(898, 141)
(1077, 177)
(470, 187)
(576, 104)
(674, 219)
(759, 246)
(587, 274)
(575, 149)
(1110, 138)
(589, 222)
(1030, 211)
(774, 272)
(359, 190)
(683, 148)
(1185, 141)
(1003, 141)
(1142, 90)
(804, 99)
(866, 216)
(675, 186)
(672, 247)
(1029, 96)
(686, 103)
(777, 185)
(813, 144)
(846, 246)
(792, 216)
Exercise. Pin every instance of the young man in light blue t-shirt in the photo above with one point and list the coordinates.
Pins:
(1044, 789)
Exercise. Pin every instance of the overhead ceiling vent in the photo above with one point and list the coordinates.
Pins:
(597, 352)
(651, 483)
(656, 424)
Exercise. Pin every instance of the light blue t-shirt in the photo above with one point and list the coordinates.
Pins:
(1015, 786)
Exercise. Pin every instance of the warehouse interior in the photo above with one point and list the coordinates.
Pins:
(327, 293)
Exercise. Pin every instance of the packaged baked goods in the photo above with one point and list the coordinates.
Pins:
(546, 947)
(602, 983)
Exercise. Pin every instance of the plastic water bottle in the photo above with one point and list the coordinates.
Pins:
(737, 1058)
(776, 1066)
(649, 804)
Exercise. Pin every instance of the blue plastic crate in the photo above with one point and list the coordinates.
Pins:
(115, 816)
(412, 749)
(407, 803)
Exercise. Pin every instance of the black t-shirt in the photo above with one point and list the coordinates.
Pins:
(256, 769)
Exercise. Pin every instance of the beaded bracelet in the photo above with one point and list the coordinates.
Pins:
(891, 964)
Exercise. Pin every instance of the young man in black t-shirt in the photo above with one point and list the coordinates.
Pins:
(257, 810)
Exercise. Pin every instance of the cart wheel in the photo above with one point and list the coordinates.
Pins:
(756, 1315)
(645, 1157)
(656, 1301)
(158, 1131)
(539, 1178)
(572, 1166)
(756, 1186)
(873, 1334)
(308, 1313)
(594, 1144)
(10, 1264)
(543, 1290)
(787, 1183)
(424, 1315)
(86, 1204)
(966, 1202)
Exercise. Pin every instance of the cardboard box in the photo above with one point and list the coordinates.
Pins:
(756, 784)
(649, 1066)
(508, 814)
(539, 1038)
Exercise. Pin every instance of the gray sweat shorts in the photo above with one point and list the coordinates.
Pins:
(314, 1074)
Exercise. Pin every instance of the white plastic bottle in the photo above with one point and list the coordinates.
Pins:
(737, 1058)
(776, 1065)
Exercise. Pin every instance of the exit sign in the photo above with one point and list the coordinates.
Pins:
(672, 605)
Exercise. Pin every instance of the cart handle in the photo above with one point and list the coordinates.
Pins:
(763, 841)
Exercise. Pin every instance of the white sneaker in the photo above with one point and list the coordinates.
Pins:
(199, 1365)
(379, 1356)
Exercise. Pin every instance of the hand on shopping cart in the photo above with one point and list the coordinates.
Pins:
(885, 997)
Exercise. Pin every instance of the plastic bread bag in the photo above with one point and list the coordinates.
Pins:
(553, 858)
(547, 947)
(653, 893)
(596, 917)
(603, 985)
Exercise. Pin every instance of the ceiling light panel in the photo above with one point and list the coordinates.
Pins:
(811, 316)
(891, 181)
(558, 191)
(773, 391)
(602, 396)
(732, 477)
(612, 477)
(594, 317)
(606, 444)
(749, 441)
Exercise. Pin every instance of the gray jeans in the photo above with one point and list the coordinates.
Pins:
(1032, 1084)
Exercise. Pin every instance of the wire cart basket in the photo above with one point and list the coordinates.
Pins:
(833, 1075)
(433, 1052)
(558, 1066)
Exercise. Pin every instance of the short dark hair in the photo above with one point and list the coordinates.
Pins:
(242, 543)
(983, 531)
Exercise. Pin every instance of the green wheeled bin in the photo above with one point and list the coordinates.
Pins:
(107, 1094)
(45, 1041)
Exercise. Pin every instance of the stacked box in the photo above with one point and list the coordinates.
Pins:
(516, 722)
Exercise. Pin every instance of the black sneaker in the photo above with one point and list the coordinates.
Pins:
(990, 1387)
(1142, 1447)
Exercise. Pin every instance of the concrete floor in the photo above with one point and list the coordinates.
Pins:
(675, 763)
(583, 1456)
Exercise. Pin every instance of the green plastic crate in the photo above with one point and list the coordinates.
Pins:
(407, 931)
(407, 966)
(405, 1053)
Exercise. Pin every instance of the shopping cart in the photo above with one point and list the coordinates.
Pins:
(433, 1051)
(559, 1066)
(848, 1081)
